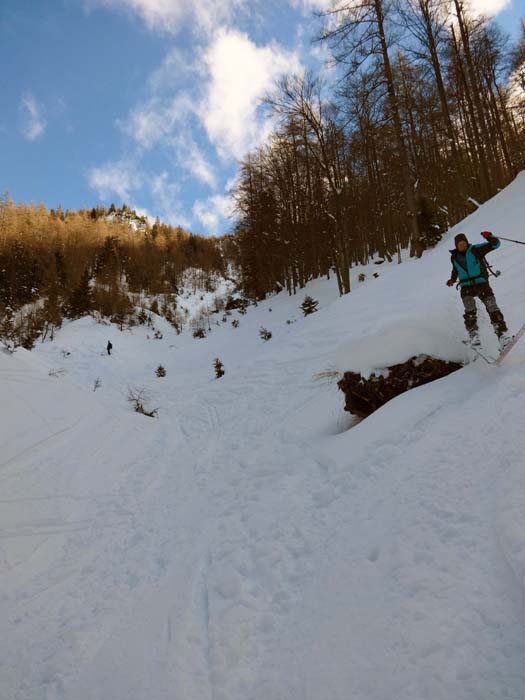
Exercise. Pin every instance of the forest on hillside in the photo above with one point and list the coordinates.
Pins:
(423, 118)
(57, 264)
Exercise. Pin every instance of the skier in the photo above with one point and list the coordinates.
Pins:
(470, 267)
(109, 347)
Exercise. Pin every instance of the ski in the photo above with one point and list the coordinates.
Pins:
(488, 358)
(503, 354)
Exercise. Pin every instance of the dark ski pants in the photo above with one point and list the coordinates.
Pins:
(484, 292)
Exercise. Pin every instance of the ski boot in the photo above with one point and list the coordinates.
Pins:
(503, 341)
(474, 342)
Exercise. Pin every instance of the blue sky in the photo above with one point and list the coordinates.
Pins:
(151, 102)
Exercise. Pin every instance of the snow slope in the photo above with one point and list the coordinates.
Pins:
(254, 542)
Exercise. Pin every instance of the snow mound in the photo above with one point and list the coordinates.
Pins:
(398, 343)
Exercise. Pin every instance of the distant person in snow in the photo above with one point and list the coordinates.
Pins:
(109, 347)
(470, 268)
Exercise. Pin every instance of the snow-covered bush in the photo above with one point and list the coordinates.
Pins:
(138, 399)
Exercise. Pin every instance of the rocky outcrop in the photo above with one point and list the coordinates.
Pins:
(365, 395)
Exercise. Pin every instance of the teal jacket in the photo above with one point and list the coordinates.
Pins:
(470, 267)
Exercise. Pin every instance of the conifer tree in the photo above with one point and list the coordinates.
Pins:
(122, 309)
(7, 327)
(81, 300)
(309, 306)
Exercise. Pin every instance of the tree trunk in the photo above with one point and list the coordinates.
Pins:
(408, 179)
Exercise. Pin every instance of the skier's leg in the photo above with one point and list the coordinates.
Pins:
(496, 317)
(470, 316)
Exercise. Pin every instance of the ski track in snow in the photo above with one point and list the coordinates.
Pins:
(246, 545)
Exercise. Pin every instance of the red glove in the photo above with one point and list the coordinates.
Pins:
(450, 283)
(486, 235)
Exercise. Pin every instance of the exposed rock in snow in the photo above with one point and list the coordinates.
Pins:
(365, 395)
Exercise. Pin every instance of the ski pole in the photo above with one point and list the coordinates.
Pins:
(511, 240)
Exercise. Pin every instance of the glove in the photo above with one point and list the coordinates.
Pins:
(450, 283)
(487, 235)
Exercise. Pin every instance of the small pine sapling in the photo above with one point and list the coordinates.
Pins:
(160, 371)
(142, 317)
(309, 306)
(219, 368)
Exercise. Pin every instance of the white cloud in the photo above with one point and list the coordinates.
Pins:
(488, 7)
(155, 121)
(33, 123)
(312, 5)
(167, 124)
(119, 178)
(238, 74)
(122, 178)
(175, 66)
(170, 16)
(232, 183)
(227, 83)
(206, 215)
(211, 211)
(321, 52)
(166, 195)
(191, 159)
(202, 105)
(485, 7)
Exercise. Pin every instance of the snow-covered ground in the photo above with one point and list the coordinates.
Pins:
(254, 542)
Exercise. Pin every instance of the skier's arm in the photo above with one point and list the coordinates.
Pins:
(481, 249)
(453, 277)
